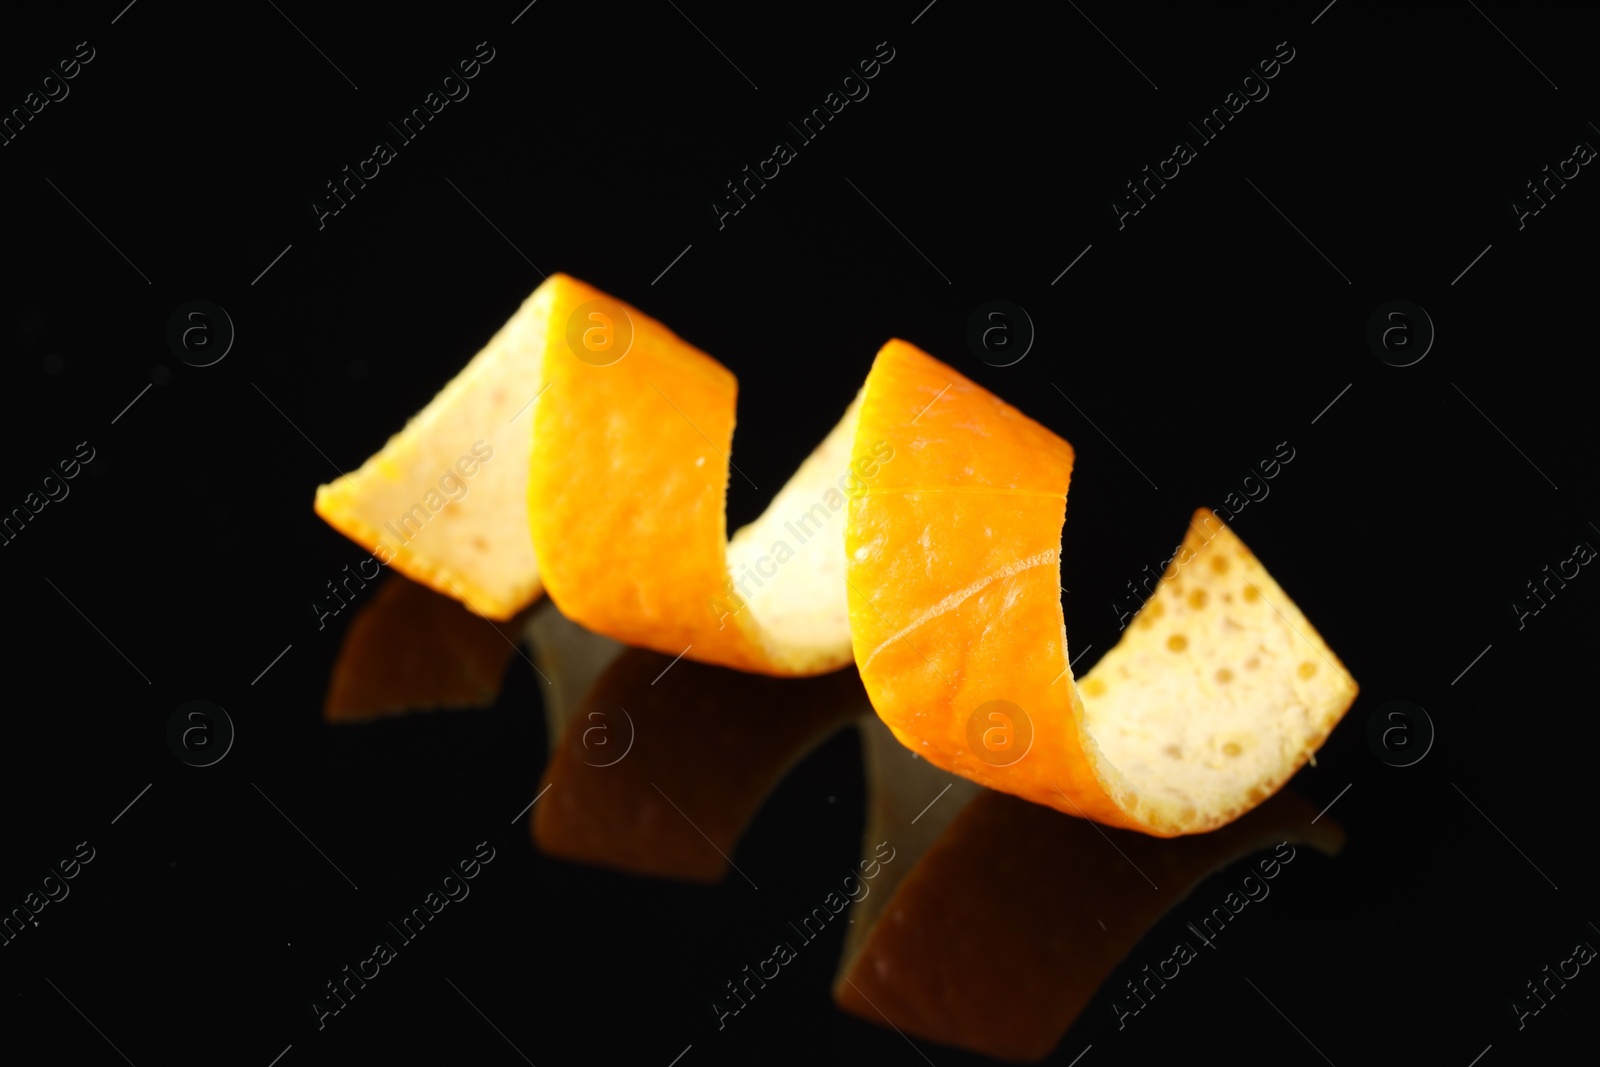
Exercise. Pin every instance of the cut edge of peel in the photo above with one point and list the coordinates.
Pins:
(505, 580)
(1299, 735)
(435, 576)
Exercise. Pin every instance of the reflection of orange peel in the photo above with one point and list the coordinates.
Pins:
(939, 578)
(962, 939)
(410, 649)
(708, 746)
(1005, 929)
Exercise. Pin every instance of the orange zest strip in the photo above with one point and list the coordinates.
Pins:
(1211, 700)
(922, 540)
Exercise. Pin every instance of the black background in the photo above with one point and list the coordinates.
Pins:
(1196, 338)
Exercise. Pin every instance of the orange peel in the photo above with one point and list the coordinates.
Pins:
(921, 540)
(631, 454)
(1208, 704)
(442, 501)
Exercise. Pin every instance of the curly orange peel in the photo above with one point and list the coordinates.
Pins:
(921, 540)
